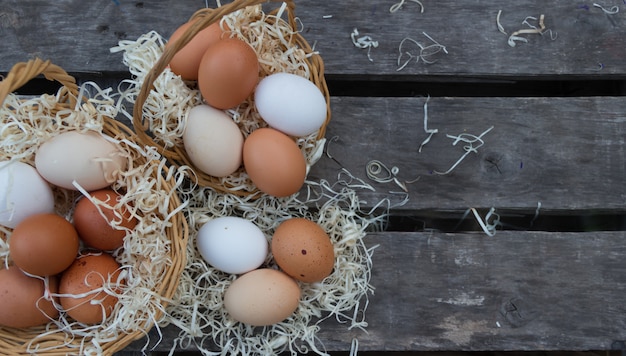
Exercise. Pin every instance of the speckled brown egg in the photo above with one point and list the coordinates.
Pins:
(228, 73)
(303, 250)
(22, 301)
(80, 287)
(103, 232)
(187, 60)
(274, 162)
(44, 244)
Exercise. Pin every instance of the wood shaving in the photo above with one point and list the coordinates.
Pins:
(363, 42)
(430, 132)
(532, 29)
(167, 107)
(425, 51)
(470, 148)
(397, 6)
(197, 309)
(145, 257)
(612, 11)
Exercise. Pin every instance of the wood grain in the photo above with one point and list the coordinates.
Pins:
(569, 154)
(514, 291)
(77, 35)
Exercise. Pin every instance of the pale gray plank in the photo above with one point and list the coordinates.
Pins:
(569, 154)
(77, 35)
(514, 291)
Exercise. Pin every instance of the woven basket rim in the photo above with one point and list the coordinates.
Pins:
(14, 341)
(207, 16)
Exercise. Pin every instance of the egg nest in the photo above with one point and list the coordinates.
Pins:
(166, 108)
(146, 257)
(197, 308)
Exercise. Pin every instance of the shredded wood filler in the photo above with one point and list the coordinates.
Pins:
(24, 125)
(197, 307)
(166, 108)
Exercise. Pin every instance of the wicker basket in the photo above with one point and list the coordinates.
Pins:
(207, 16)
(16, 341)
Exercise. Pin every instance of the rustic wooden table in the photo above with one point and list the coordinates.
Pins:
(553, 276)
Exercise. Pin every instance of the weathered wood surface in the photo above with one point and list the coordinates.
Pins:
(77, 35)
(437, 291)
(513, 291)
(567, 153)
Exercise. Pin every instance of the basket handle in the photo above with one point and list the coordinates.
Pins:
(21, 73)
(203, 22)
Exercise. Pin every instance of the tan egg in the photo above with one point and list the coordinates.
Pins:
(262, 297)
(213, 141)
(22, 300)
(303, 250)
(228, 73)
(83, 281)
(44, 244)
(187, 60)
(274, 162)
(103, 232)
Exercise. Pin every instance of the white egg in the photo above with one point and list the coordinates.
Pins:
(291, 104)
(213, 141)
(232, 244)
(24, 193)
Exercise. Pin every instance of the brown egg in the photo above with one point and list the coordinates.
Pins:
(228, 73)
(22, 302)
(87, 275)
(98, 231)
(303, 250)
(262, 297)
(44, 244)
(187, 60)
(274, 162)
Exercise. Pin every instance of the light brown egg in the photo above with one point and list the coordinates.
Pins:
(22, 302)
(88, 274)
(262, 297)
(228, 73)
(187, 60)
(274, 162)
(98, 231)
(303, 250)
(44, 244)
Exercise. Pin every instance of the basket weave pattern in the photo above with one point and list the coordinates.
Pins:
(206, 17)
(44, 339)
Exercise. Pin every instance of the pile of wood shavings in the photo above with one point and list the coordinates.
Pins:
(146, 254)
(198, 309)
(165, 110)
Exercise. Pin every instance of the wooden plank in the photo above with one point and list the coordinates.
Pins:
(77, 35)
(569, 154)
(514, 291)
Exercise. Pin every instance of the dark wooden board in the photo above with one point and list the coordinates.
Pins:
(514, 291)
(77, 35)
(568, 154)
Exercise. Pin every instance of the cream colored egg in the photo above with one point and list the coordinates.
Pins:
(213, 141)
(262, 297)
(87, 158)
